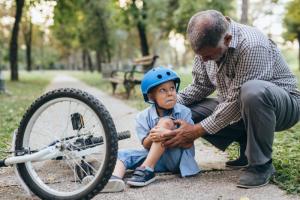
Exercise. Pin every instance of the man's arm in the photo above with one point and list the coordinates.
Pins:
(184, 136)
(200, 87)
(187, 132)
(253, 64)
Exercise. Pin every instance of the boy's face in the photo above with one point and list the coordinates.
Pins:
(164, 95)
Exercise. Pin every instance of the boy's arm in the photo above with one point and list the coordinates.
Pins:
(142, 130)
(147, 142)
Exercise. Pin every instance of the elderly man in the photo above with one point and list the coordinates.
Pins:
(256, 94)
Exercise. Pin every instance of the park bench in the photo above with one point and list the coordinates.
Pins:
(133, 75)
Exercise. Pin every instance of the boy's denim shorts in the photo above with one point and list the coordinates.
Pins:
(169, 161)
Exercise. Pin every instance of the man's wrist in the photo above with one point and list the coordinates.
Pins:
(200, 131)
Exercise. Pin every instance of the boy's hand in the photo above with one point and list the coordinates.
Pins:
(157, 132)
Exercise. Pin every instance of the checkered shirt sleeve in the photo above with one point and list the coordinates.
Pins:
(254, 64)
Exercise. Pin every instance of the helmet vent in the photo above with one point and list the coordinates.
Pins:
(159, 76)
(168, 73)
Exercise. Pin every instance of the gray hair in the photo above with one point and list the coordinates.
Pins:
(206, 28)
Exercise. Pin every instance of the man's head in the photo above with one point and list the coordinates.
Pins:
(160, 86)
(209, 34)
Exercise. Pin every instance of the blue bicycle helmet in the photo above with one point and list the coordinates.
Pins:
(157, 76)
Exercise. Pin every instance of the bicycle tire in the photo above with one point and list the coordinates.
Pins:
(109, 131)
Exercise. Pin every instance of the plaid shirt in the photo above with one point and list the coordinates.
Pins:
(250, 56)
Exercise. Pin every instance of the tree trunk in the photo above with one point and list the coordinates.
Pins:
(84, 59)
(141, 26)
(244, 17)
(143, 38)
(98, 60)
(105, 37)
(28, 39)
(299, 50)
(13, 52)
(89, 59)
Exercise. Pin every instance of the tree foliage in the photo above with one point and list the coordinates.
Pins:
(292, 20)
(187, 8)
(292, 23)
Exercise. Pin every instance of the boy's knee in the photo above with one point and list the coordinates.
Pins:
(166, 123)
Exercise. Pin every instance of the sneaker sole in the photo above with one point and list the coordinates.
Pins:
(140, 184)
(114, 186)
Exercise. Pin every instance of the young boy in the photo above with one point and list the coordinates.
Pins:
(159, 87)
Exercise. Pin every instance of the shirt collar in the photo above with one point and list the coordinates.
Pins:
(234, 33)
(233, 43)
(154, 115)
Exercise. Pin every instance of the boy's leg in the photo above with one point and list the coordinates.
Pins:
(119, 170)
(157, 149)
(127, 159)
(144, 174)
(115, 183)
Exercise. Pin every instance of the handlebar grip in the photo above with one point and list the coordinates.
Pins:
(123, 135)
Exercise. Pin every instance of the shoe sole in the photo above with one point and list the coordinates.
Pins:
(236, 167)
(140, 184)
(114, 186)
(250, 186)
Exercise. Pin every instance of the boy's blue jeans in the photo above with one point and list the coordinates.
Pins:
(169, 161)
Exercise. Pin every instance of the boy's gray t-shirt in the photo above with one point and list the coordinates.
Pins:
(148, 118)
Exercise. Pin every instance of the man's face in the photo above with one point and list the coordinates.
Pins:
(215, 53)
(212, 53)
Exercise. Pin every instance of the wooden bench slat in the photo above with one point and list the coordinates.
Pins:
(115, 80)
(132, 77)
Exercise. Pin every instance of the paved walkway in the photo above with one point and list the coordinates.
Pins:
(209, 185)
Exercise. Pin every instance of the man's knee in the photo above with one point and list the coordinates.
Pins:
(253, 92)
(166, 123)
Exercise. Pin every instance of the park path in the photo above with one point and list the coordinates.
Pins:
(214, 183)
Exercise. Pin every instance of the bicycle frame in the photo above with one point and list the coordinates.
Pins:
(48, 153)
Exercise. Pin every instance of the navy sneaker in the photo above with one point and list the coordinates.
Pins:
(141, 177)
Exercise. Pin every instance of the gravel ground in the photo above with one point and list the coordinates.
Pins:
(215, 182)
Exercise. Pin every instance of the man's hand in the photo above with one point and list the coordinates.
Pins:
(184, 136)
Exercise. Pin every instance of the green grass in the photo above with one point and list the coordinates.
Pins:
(286, 156)
(286, 147)
(14, 105)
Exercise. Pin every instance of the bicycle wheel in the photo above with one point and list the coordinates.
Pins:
(82, 134)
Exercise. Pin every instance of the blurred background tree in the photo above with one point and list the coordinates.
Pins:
(292, 24)
(13, 46)
(87, 35)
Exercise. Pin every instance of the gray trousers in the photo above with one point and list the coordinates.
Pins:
(265, 108)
